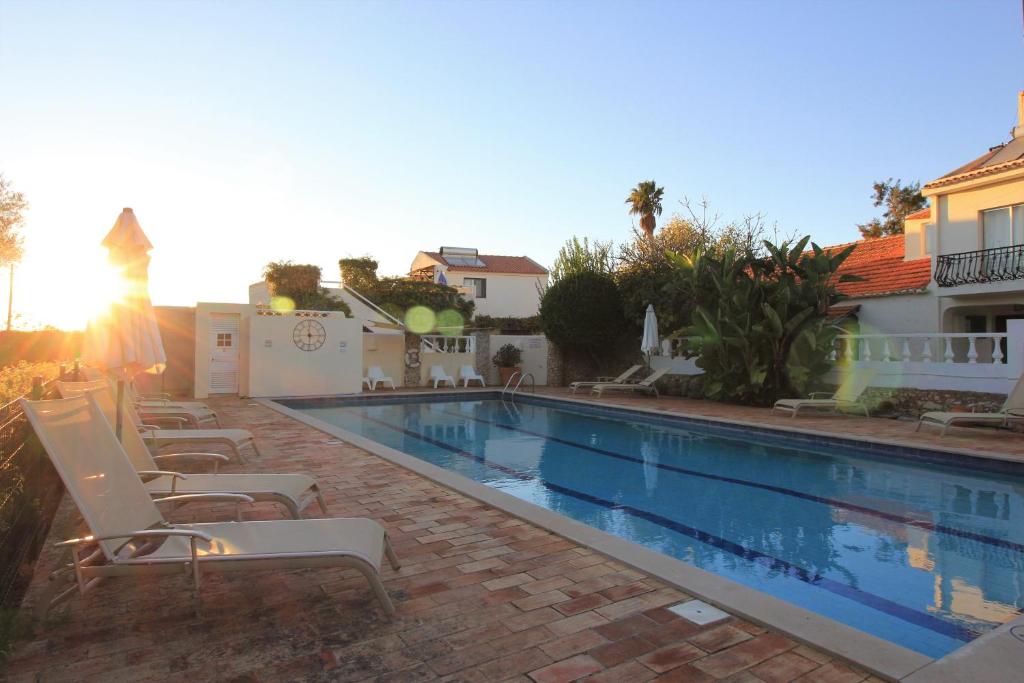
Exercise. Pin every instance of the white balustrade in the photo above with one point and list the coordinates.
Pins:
(440, 343)
(986, 348)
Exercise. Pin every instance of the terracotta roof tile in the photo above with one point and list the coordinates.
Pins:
(517, 265)
(926, 212)
(880, 262)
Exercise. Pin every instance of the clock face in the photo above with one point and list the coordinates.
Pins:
(309, 335)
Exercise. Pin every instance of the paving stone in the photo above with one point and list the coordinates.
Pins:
(567, 670)
(785, 667)
(668, 658)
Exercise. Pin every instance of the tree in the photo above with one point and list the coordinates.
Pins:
(899, 203)
(583, 312)
(646, 275)
(397, 295)
(645, 201)
(578, 256)
(301, 284)
(12, 209)
(764, 332)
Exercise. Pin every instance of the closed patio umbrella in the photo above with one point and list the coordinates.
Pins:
(126, 340)
(650, 342)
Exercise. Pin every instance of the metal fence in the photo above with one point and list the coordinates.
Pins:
(30, 491)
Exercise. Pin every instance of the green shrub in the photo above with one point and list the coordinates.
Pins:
(508, 356)
(764, 333)
(397, 295)
(509, 325)
(16, 379)
(359, 273)
(583, 312)
(301, 284)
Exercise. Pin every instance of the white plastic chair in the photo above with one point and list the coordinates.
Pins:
(467, 374)
(375, 376)
(438, 376)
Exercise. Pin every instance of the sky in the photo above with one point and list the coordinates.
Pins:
(248, 132)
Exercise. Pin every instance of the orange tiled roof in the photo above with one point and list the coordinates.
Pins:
(880, 263)
(926, 212)
(517, 265)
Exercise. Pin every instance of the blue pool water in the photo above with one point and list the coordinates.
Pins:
(919, 553)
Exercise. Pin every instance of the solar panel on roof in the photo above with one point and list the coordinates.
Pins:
(471, 261)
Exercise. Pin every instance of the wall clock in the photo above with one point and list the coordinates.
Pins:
(309, 335)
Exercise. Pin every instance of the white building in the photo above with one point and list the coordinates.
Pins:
(959, 266)
(498, 285)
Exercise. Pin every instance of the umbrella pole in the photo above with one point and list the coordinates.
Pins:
(120, 409)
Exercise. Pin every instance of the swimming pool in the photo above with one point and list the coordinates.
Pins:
(925, 554)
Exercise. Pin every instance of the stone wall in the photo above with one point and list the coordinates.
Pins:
(412, 375)
(912, 403)
(482, 361)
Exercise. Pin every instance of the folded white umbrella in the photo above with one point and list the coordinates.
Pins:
(650, 343)
(126, 340)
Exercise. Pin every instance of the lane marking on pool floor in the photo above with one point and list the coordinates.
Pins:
(853, 507)
(785, 567)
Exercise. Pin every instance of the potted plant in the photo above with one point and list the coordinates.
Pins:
(507, 359)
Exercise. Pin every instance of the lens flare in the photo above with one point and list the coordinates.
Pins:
(281, 304)
(450, 322)
(420, 320)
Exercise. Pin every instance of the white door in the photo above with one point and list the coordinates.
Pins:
(224, 353)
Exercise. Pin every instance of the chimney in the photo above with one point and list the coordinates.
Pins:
(1018, 130)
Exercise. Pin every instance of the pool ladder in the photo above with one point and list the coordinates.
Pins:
(521, 376)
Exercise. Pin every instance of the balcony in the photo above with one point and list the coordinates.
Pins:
(977, 267)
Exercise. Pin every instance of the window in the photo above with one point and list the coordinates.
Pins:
(224, 340)
(1003, 227)
(478, 285)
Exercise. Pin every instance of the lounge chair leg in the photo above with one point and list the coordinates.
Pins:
(237, 451)
(378, 586)
(390, 552)
(320, 500)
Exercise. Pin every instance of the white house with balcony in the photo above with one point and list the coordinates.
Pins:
(950, 290)
(498, 285)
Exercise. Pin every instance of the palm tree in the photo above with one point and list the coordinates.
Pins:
(645, 201)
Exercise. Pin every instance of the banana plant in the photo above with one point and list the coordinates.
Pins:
(761, 332)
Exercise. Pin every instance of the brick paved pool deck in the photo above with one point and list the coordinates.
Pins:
(481, 596)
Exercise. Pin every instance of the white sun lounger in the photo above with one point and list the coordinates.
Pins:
(1012, 412)
(164, 400)
(621, 379)
(129, 536)
(467, 374)
(293, 491)
(375, 376)
(438, 376)
(646, 385)
(235, 439)
(847, 395)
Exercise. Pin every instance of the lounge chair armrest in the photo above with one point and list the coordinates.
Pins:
(159, 473)
(156, 396)
(149, 426)
(210, 497)
(144, 533)
(167, 418)
(175, 476)
(216, 458)
(820, 394)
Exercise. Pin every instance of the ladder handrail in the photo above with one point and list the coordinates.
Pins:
(533, 384)
(510, 378)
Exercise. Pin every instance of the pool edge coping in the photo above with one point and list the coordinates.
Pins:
(859, 648)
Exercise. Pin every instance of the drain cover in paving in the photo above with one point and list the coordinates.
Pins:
(698, 612)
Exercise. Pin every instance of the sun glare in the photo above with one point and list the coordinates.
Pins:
(68, 305)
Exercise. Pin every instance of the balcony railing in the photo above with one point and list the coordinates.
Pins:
(985, 265)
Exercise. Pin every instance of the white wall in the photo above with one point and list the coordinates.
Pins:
(957, 217)
(535, 356)
(507, 295)
(277, 367)
(897, 313)
(387, 351)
